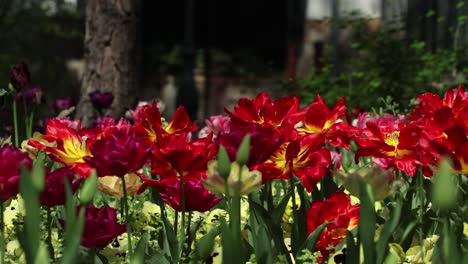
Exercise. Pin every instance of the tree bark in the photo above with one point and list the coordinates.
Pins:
(112, 55)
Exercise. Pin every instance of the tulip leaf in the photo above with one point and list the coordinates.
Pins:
(89, 189)
(73, 227)
(260, 239)
(352, 249)
(170, 243)
(367, 220)
(278, 212)
(38, 174)
(42, 255)
(32, 218)
(444, 187)
(382, 246)
(138, 256)
(328, 186)
(312, 239)
(263, 217)
(205, 245)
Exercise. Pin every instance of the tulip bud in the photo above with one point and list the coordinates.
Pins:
(379, 180)
(243, 152)
(89, 189)
(224, 163)
(240, 179)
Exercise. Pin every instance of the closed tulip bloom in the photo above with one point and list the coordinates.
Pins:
(120, 153)
(101, 227)
(20, 77)
(54, 192)
(101, 99)
(240, 178)
(11, 160)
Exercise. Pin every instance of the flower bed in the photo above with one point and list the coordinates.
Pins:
(268, 182)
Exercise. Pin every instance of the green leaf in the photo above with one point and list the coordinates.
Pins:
(387, 231)
(42, 255)
(2, 92)
(170, 243)
(312, 239)
(444, 187)
(73, 232)
(367, 220)
(38, 174)
(32, 218)
(138, 256)
(278, 211)
(205, 244)
(90, 187)
(352, 249)
(276, 232)
(260, 240)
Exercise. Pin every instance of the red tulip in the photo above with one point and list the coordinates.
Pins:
(148, 125)
(264, 140)
(11, 160)
(305, 157)
(320, 119)
(20, 77)
(66, 144)
(170, 160)
(101, 227)
(197, 197)
(54, 192)
(336, 209)
(118, 154)
(282, 114)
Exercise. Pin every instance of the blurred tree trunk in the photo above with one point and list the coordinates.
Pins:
(112, 55)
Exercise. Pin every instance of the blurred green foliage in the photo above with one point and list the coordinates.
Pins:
(386, 63)
(44, 34)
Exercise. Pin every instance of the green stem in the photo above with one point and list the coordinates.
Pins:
(127, 219)
(422, 196)
(26, 117)
(235, 216)
(176, 223)
(2, 229)
(294, 215)
(49, 234)
(92, 254)
(15, 123)
(270, 196)
(30, 125)
(182, 235)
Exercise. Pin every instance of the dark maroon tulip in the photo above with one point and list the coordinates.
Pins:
(264, 140)
(197, 197)
(101, 227)
(61, 104)
(100, 99)
(30, 96)
(54, 192)
(11, 160)
(20, 77)
(120, 153)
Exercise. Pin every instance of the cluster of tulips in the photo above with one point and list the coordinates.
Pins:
(277, 157)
